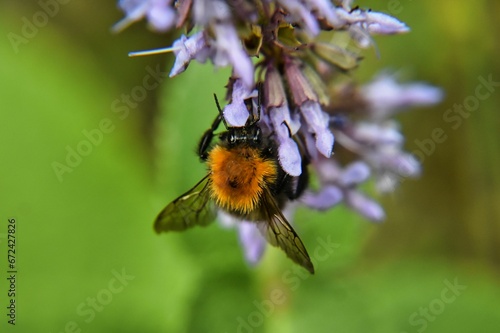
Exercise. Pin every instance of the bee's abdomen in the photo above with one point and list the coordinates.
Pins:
(238, 177)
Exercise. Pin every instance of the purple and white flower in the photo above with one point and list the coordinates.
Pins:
(305, 106)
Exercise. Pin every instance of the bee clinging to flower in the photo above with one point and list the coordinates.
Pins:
(304, 52)
(245, 180)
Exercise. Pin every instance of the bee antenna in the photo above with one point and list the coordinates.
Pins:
(259, 100)
(221, 113)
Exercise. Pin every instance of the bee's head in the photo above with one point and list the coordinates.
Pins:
(246, 135)
(250, 134)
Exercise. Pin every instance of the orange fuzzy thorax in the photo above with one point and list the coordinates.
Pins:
(238, 177)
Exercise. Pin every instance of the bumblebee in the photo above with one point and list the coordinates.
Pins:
(245, 180)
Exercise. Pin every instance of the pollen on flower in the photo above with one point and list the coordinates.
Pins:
(238, 177)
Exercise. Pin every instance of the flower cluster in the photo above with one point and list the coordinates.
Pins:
(303, 51)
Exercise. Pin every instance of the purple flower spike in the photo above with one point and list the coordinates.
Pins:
(305, 98)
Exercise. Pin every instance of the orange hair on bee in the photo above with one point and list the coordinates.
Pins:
(238, 177)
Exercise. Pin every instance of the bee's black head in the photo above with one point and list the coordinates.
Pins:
(246, 135)
(250, 134)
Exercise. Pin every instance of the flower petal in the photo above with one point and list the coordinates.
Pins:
(385, 95)
(187, 49)
(354, 173)
(326, 198)
(289, 156)
(298, 84)
(318, 122)
(226, 220)
(376, 134)
(403, 164)
(366, 207)
(161, 16)
(236, 113)
(281, 116)
(288, 151)
(273, 89)
(380, 23)
(134, 11)
(326, 10)
(229, 49)
(252, 241)
(302, 15)
(206, 11)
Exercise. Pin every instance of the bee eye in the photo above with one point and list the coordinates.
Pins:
(232, 138)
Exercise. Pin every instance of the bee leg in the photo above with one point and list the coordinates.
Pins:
(292, 187)
(301, 182)
(254, 118)
(207, 138)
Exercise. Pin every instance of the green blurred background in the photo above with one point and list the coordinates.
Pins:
(89, 261)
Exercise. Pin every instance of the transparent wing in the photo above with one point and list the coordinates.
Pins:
(280, 233)
(192, 208)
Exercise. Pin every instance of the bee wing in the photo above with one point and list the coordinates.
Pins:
(192, 208)
(280, 233)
